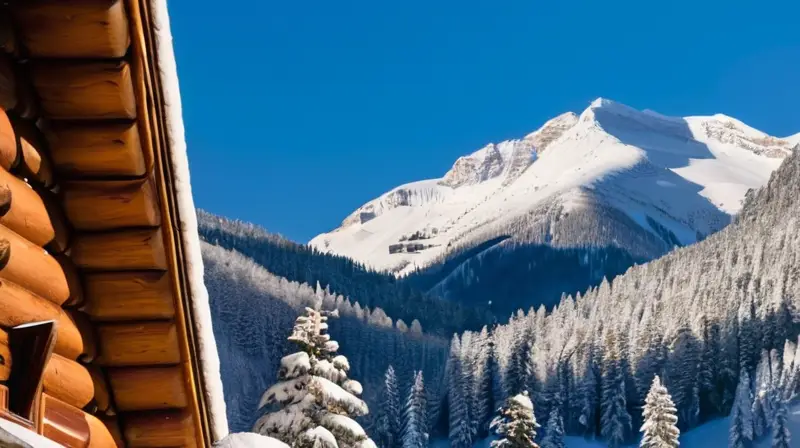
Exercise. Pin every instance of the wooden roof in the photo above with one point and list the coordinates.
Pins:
(80, 84)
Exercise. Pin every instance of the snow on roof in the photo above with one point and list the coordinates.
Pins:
(208, 358)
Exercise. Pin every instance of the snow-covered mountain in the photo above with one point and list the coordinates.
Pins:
(667, 180)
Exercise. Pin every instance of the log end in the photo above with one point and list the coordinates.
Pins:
(5, 252)
(5, 200)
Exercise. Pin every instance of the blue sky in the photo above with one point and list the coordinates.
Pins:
(298, 112)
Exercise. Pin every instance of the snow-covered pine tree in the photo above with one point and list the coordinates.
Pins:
(741, 430)
(660, 418)
(761, 397)
(780, 431)
(516, 424)
(615, 422)
(459, 424)
(415, 429)
(482, 400)
(315, 399)
(554, 433)
(387, 425)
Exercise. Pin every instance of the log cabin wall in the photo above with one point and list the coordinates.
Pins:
(87, 238)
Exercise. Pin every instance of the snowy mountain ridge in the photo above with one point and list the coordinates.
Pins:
(678, 179)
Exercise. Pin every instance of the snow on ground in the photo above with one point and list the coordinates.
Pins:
(711, 434)
(690, 174)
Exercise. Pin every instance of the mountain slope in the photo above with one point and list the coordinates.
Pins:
(676, 178)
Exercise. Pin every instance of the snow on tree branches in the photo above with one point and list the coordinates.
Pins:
(660, 419)
(516, 425)
(315, 401)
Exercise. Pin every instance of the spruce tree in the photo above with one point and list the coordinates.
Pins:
(660, 418)
(415, 431)
(516, 424)
(315, 399)
(387, 425)
(615, 421)
(780, 431)
(741, 430)
(554, 433)
(459, 424)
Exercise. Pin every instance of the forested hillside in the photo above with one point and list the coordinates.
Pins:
(254, 311)
(718, 321)
(301, 263)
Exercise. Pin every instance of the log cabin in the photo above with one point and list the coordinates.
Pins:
(104, 321)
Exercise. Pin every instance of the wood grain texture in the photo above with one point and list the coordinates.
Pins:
(63, 423)
(29, 266)
(74, 29)
(86, 329)
(120, 296)
(105, 208)
(85, 150)
(23, 210)
(68, 381)
(74, 280)
(117, 251)
(100, 436)
(147, 343)
(159, 429)
(148, 388)
(19, 306)
(102, 392)
(8, 142)
(115, 429)
(94, 90)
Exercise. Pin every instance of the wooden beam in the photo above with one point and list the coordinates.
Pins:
(86, 329)
(19, 306)
(33, 163)
(159, 429)
(23, 211)
(105, 208)
(115, 430)
(8, 142)
(74, 29)
(117, 251)
(86, 150)
(27, 265)
(102, 392)
(95, 90)
(120, 296)
(68, 381)
(148, 388)
(147, 343)
(74, 280)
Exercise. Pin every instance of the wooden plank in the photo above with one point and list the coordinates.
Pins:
(94, 90)
(27, 265)
(100, 434)
(74, 280)
(85, 150)
(68, 381)
(102, 392)
(115, 430)
(19, 306)
(63, 423)
(147, 343)
(74, 29)
(24, 211)
(106, 208)
(8, 142)
(159, 429)
(148, 388)
(120, 296)
(117, 251)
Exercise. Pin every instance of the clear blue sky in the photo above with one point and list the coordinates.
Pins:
(297, 112)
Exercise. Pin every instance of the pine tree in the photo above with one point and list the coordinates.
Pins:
(554, 434)
(415, 431)
(615, 420)
(780, 431)
(387, 426)
(660, 419)
(761, 398)
(314, 396)
(482, 400)
(459, 423)
(516, 424)
(741, 431)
